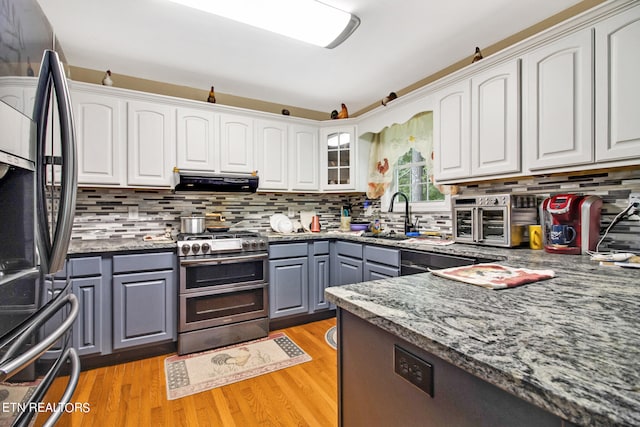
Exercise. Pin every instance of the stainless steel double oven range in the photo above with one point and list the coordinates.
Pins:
(223, 289)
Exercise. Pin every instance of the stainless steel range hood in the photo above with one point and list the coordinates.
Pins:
(203, 181)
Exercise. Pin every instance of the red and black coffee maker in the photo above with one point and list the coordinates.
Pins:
(570, 223)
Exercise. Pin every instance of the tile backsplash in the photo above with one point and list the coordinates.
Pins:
(127, 213)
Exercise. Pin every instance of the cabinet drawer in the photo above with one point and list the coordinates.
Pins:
(384, 256)
(288, 250)
(321, 248)
(90, 266)
(353, 250)
(143, 262)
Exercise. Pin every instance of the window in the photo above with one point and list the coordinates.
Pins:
(412, 178)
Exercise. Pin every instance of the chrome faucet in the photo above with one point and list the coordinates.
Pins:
(407, 223)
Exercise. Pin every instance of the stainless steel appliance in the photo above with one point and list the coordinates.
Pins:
(223, 289)
(493, 219)
(34, 319)
(416, 262)
(202, 181)
(36, 216)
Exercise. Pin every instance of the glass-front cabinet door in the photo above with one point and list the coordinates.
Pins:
(338, 171)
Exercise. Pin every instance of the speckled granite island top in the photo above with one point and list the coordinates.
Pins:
(570, 345)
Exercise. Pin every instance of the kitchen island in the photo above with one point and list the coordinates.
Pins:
(569, 345)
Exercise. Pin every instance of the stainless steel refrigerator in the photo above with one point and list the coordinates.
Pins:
(36, 217)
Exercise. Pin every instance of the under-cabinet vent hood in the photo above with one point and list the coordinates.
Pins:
(202, 181)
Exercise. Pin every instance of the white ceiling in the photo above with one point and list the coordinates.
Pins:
(397, 44)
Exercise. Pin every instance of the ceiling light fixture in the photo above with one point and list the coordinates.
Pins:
(306, 20)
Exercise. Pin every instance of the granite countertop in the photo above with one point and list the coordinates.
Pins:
(79, 247)
(570, 345)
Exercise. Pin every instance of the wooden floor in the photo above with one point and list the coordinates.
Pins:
(134, 393)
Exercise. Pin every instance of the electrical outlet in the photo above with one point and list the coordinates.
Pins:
(413, 369)
(634, 212)
(133, 212)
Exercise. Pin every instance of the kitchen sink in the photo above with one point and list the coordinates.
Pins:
(388, 236)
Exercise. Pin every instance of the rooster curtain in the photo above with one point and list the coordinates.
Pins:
(393, 142)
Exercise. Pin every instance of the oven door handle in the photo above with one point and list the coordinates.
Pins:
(225, 260)
(225, 289)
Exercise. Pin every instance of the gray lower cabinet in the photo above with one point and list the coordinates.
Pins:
(319, 274)
(380, 263)
(348, 270)
(441, 394)
(144, 299)
(356, 263)
(88, 328)
(298, 275)
(288, 287)
(87, 285)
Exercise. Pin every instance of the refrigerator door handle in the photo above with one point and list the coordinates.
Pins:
(9, 368)
(53, 252)
(25, 417)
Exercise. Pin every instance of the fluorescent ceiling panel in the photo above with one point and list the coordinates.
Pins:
(306, 20)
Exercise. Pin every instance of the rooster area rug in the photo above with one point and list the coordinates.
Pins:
(198, 372)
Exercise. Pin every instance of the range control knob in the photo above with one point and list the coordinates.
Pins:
(195, 248)
(254, 244)
(263, 244)
(245, 245)
(185, 249)
(205, 248)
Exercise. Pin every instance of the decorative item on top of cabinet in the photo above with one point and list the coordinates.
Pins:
(212, 96)
(30, 72)
(106, 80)
(389, 98)
(342, 114)
(477, 56)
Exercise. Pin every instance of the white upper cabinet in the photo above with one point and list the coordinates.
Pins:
(618, 87)
(273, 155)
(236, 144)
(338, 158)
(495, 120)
(151, 144)
(100, 123)
(305, 158)
(451, 132)
(14, 96)
(197, 140)
(559, 103)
